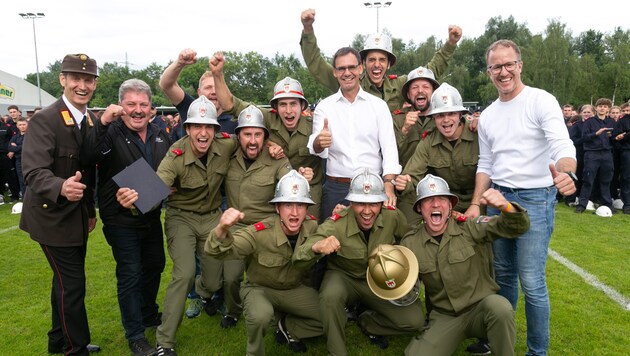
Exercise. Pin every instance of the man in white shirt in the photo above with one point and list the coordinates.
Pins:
(524, 152)
(353, 129)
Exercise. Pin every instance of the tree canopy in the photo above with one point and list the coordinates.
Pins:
(576, 69)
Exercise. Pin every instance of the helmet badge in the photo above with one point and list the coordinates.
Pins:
(432, 186)
(367, 187)
(391, 283)
(287, 87)
(202, 111)
(295, 189)
(248, 117)
(445, 99)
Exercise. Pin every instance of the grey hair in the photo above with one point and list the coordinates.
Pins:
(134, 85)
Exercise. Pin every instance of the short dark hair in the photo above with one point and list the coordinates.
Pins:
(344, 51)
(603, 101)
(13, 107)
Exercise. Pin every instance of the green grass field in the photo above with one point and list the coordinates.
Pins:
(584, 321)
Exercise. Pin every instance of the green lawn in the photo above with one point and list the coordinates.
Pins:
(584, 320)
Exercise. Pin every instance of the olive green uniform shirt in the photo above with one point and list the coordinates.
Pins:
(457, 164)
(407, 143)
(267, 250)
(455, 271)
(250, 190)
(352, 256)
(198, 187)
(392, 85)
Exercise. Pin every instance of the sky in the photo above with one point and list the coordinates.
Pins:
(143, 32)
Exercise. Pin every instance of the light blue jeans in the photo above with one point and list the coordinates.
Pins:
(525, 258)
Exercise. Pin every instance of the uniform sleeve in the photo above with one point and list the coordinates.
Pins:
(239, 105)
(319, 68)
(440, 60)
(166, 170)
(506, 225)
(304, 257)
(38, 156)
(236, 246)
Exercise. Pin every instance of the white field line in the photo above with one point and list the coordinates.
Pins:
(8, 229)
(592, 280)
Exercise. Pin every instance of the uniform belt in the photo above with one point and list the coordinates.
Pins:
(195, 212)
(339, 180)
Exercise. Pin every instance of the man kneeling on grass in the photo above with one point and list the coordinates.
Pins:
(455, 273)
(273, 284)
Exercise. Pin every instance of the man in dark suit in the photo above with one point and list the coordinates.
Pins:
(58, 208)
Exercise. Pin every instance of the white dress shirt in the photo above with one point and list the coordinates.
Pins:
(362, 135)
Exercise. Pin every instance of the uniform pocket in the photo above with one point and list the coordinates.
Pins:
(272, 260)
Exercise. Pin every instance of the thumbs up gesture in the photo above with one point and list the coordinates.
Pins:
(562, 181)
(324, 139)
(72, 188)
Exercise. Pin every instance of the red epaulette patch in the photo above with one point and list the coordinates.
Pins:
(274, 111)
(397, 112)
(312, 217)
(225, 135)
(389, 207)
(259, 226)
(335, 217)
(462, 218)
(178, 152)
(424, 134)
(392, 76)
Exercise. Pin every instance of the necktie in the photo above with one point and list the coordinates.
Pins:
(84, 125)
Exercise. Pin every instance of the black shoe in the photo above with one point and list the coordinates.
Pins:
(579, 209)
(378, 340)
(228, 322)
(283, 337)
(481, 347)
(211, 306)
(141, 347)
(59, 349)
(626, 210)
(152, 321)
(165, 351)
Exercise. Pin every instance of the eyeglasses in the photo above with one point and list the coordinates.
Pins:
(497, 68)
(344, 69)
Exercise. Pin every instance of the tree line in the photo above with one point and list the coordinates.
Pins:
(575, 69)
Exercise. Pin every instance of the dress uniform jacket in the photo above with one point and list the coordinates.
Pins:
(198, 187)
(455, 271)
(294, 146)
(250, 190)
(50, 155)
(407, 143)
(352, 256)
(392, 86)
(267, 250)
(456, 164)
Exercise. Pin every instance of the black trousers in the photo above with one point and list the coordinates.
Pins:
(70, 328)
(8, 175)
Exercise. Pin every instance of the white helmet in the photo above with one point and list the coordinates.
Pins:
(446, 99)
(618, 204)
(603, 211)
(380, 42)
(392, 271)
(17, 208)
(590, 206)
(251, 116)
(288, 88)
(431, 186)
(292, 188)
(419, 73)
(366, 187)
(202, 111)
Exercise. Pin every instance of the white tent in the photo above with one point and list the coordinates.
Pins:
(17, 91)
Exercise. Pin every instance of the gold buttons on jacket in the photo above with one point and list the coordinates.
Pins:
(45, 206)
